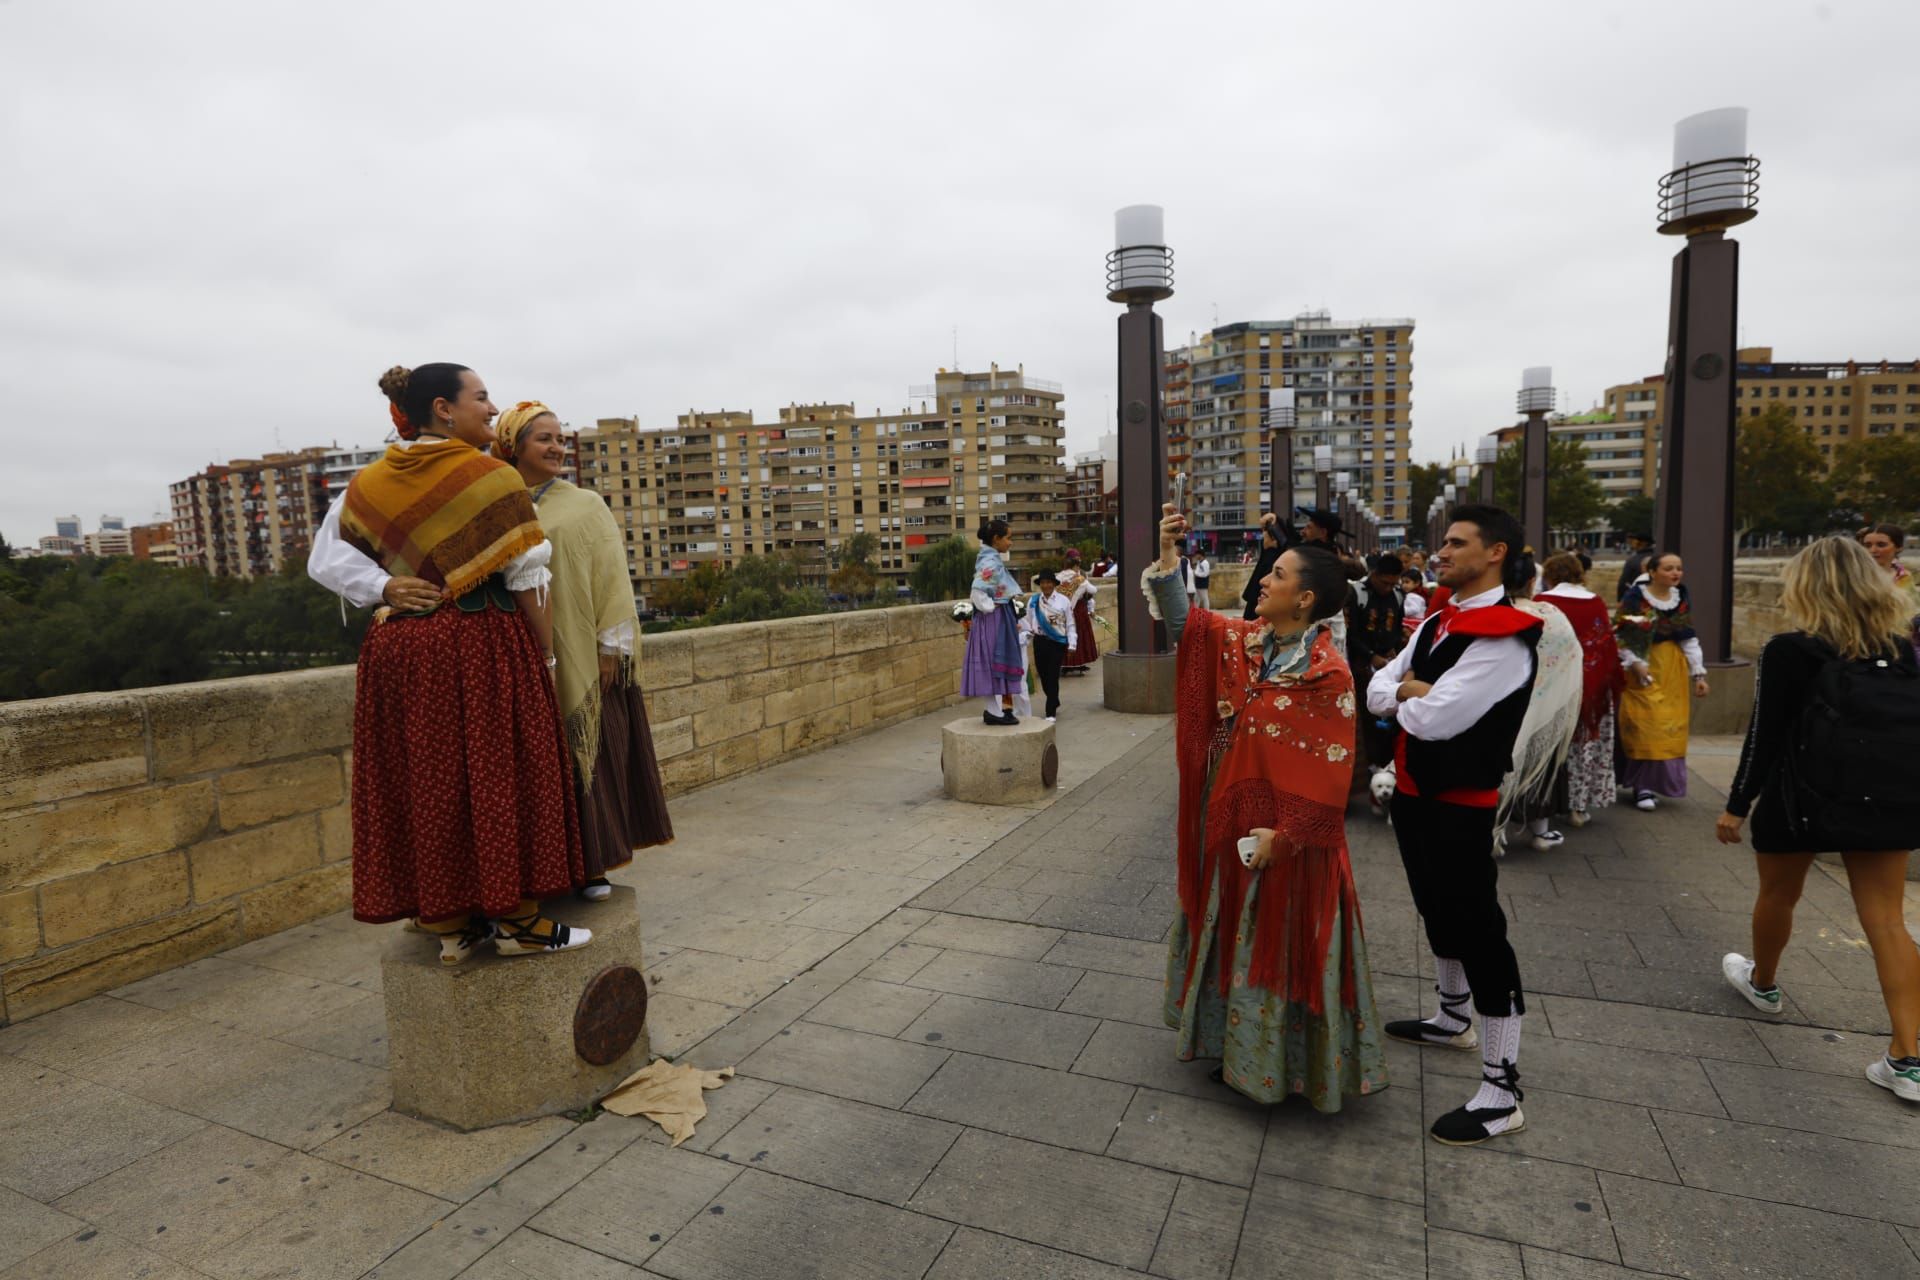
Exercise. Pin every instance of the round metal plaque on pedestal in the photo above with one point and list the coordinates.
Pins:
(1050, 766)
(610, 1015)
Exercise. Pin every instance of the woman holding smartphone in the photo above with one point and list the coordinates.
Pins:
(1267, 967)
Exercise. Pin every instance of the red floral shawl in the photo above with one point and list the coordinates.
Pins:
(1601, 676)
(1273, 754)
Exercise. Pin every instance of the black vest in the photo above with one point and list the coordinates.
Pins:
(1479, 758)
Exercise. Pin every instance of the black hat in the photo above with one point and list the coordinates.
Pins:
(1046, 575)
(1328, 520)
(1384, 563)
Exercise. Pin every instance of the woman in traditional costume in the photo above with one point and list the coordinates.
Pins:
(1080, 589)
(616, 775)
(463, 813)
(1654, 626)
(995, 666)
(1267, 966)
(1884, 543)
(1586, 780)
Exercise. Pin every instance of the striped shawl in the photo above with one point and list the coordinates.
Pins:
(442, 511)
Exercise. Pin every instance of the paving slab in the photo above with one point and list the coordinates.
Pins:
(529, 1255)
(441, 1162)
(341, 1225)
(81, 1032)
(1106, 954)
(1372, 1146)
(627, 1207)
(992, 937)
(1217, 1141)
(92, 1254)
(1790, 1166)
(877, 1008)
(1202, 1234)
(1842, 1106)
(1299, 1228)
(1026, 1102)
(1488, 1192)
(981, 1255)
(1018, 1033)
(1143, 924)
(1574, 1130)
(1145, 1055)
(900, 962)
(871, 1152)
(1663, 1030)
(85, 1133)
(989, 977)
(1084, 1204)
(1117, 996)
(1590, 1069)
(765, 1227)
(357, 1033)
(846, 1064)
(27, 1227)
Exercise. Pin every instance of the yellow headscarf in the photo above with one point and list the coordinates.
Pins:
(507, 429)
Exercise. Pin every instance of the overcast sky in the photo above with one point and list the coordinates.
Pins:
(219, 222)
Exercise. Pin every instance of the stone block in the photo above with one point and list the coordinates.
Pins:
(998, 764)
(1054, 1107)
(670, 737)
(719, 652)
(863, 684)
(859, 714)
(223, 724)
(820, 727)
(1138, 684)
(865, 1151)
(813, 695)
(85, 906)
(737, 755)
(687, 700)
(796, 641)
(451, 1062)
(846, 1064)
(336, 833)
(907, 667)
(895, 700)
(729, 721)
(683, 773)
(55, 841)
(853, 632)
(760, 684)
(666, 661)
(55, 748)
(249, 797)
(296, 900)
(115, 959)
(252, 858)
(19, 924)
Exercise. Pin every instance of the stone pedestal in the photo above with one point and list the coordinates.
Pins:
(998, 764)
(1138, 683)
(496, 1038)
(1729, 701)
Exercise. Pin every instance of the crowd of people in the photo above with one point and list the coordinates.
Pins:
(501, 753)
(1014, 635)
(1495, 689)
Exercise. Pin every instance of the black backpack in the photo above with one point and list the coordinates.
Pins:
(1851, 777)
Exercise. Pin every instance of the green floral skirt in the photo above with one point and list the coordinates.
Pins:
(1268, 1046)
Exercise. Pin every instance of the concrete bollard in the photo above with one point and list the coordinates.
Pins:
(496, 1039)
(998, 764)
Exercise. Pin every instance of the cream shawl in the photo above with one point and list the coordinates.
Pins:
(591, 593)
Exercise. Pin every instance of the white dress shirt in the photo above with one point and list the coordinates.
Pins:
(1490, 669)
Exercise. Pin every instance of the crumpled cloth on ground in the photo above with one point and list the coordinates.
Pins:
(672, 1095)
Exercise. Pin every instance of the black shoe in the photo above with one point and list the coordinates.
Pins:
(987, 717)
(1467, 1126)
(1425, 1031)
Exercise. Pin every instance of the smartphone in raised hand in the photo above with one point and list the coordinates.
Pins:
(1180, 493)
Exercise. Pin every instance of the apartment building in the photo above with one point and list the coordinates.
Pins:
(247, 517)
(718, 486)
(1353, 390)
(1619, 448)
(155, 542)
(1834, 401)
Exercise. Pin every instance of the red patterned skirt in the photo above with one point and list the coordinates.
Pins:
(1086, 645)
(462, 783)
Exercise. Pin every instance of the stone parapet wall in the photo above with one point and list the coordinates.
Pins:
(144, 829)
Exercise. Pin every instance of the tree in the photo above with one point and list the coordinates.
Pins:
(6, 549)
(859, 549)
(1429, 478)
(1575, 499)
(1879, 477)
(1633, 514)
(767, 586)
(1779, 485)
(945, 571)
(694, 594)
(854, 579)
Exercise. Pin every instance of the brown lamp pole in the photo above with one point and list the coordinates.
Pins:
(1281, 420)
(1536, 401)
(1487, 454)
(1713, 187)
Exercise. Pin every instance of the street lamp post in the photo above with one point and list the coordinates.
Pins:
(1487, 454)
(1281, 421)
(1139, 274)
(1714, 186)
(1322, 475)
(1536, 401)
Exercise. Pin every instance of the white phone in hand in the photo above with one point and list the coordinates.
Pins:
(1248, 846)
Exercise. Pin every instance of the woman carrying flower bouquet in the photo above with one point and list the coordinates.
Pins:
(1267, 967)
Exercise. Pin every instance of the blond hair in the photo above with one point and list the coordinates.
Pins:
(1834, 591)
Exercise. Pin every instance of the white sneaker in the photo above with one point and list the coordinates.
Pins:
(1903, 1077)
(1547, 841)
(1739, 974)
(1645, 801)
(1051, 719)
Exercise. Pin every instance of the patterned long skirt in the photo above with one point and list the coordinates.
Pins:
(625, 808)
(1269, 1046)
(462, 783)
(1086, 645)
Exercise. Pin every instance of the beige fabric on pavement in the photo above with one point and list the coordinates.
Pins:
(672, 1095)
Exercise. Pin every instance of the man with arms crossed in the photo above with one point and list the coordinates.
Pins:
(1459, 690)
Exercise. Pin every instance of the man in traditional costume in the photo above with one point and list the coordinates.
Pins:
(1460, 691)
(1050, 625)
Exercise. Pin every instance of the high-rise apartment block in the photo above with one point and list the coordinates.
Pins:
(1353, 390)
(718, 486)
(244, 519)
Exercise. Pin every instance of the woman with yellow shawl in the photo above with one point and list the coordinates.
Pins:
(622, 805)
(462, 812)
(1654, 628)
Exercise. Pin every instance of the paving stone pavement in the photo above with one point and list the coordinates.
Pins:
(946, 1022)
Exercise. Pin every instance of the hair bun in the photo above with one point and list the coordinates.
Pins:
(394, 382)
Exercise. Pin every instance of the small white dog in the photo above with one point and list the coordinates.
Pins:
(1380, 789)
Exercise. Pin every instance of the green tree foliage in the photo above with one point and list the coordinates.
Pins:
(1779, 485)
(859, 549)
(766, 586)
(692, 595)
(1429, 478)
(83, 625)
(945, 572)
(1878, 478)
(1632, 515)
(1575, 499)
(855, 579)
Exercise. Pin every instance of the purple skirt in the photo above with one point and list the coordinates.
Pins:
(983, 674)
(1662, 777)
